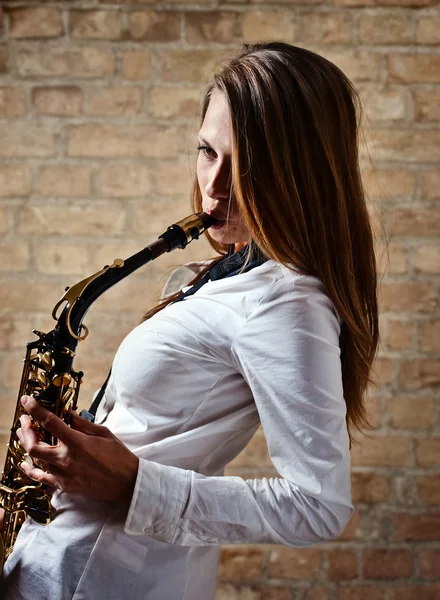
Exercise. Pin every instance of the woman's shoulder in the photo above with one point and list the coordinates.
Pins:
(290, 285)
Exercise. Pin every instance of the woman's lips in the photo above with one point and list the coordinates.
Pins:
(218, 224)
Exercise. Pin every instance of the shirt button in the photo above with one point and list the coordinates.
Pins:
(149, 530)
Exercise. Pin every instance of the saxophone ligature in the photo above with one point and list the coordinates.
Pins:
(49, 377)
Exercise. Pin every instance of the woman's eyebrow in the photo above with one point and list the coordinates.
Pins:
(203, 141)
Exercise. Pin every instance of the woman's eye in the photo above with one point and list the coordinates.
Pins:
(207, 151)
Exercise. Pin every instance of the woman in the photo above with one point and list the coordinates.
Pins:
(284, 332)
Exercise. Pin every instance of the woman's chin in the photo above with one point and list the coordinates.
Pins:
(223, 234)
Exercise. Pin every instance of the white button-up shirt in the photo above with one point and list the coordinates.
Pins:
(188, 389)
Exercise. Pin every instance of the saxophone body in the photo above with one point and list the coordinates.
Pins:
(49, 377)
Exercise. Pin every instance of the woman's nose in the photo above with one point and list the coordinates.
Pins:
(218, 184)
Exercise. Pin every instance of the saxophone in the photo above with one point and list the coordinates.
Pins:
(49, 377)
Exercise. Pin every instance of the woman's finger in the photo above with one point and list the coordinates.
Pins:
(34, 447)
(39, 475)
(84, 426)
(48, 420)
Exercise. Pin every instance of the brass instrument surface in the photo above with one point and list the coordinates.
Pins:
(20, 495)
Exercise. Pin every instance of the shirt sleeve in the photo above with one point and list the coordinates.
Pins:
(288, 352)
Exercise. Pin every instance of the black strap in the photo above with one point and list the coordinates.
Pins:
(91, 413)
(227, 267)
(230, 265)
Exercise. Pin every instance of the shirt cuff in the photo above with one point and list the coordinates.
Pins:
(159, 498)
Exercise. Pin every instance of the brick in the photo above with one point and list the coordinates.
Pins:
(124, 180)
(25, 296)
(241, 563)
(103, 140)
(79, 219)
(428, 489)
(288, 2)
(136, 65)
(259, 25)
(380, 3)
(194, 66)
(35, 23)
(15, 180)
(8, 405)
(427, 452)
(414, 68)
(316, 593)
(411, 413)
(379, 451)
(342, 564)
(368, 486)
(325, 28)
(384, 105)
(3, 220)
(156, 214)
(26, 139)
(11, 368)
(13, 102)
(394, 261)
(227, 591)
(427, 105)
(165, 102)
(403, 145)
(60, 101)
(114, 102)
(96, 24)
(418, 374)
(3, 59)
(426, 260)
(14, 256)
(60, 259)
(353, 529)
(71, 181)
(373, 405)
(389, 563)
(290, 563)
(428, 30)
(415, 592)
(382, 373)
(276, 593)
(173, 179)
(414, 221)
(404, 491)
(154, 26)
(358, 65)
(389, 183)
(84, 62)
(255, 454)
(400, 335)
(362, 592)
(431, 185)
(420, 296)
(203, 26)
(429, 336)
(429, 560)
(383, 28)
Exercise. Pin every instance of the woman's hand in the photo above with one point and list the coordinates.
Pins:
(87, 460)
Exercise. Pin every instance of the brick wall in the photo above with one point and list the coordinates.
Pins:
(98, 105)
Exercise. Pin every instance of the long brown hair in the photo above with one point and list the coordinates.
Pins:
(296, 178)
